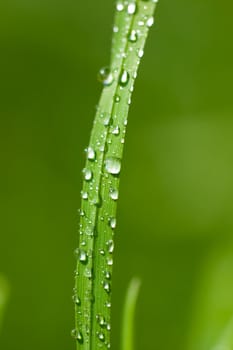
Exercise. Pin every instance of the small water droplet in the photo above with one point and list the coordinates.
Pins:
(150, 22)
(77, 335)
(91, 153)
(116, 130)
(141, 23)
(120, 6)
(133, 36)
(106, 118)
(87, 174)
(84, 195)
(107, 286)
(76, 300)
(107, 275)
(101, 336)
(115, 29)
(140, 53)
(110, 245)
(105, 76)
(114, 194)
(88, 272)
(117, 98)
(102, 252)
(81, 212)
(101, 320)
(124, 78)
(112, 222)
(108, 304)
(131, 9)
(113, 165)
(109, 261)
(108, 326)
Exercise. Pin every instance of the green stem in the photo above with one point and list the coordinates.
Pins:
(101, 177)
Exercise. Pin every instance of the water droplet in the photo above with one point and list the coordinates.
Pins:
(108, 326)
(108, 304)
(107, 275)
(124, 78)
(132, 8)
(105, 76)
(115, 29)
(101, 336)
(110, 245)
(120, 6)
(81, 212)
(116, 130)
(77, 335)
(141, 23)
(113, 165)
(109, 261)
(133, 36)
(76, 300)
(106, 118)
(88, 272)
(107, 286)
(102, 252)
(150, 22)
(82, 256)
(114, 194)
(87, 173)
(84, 195)
(91, 153)
(112, 222)
(140, 53)
(117, 98)
(101, 320)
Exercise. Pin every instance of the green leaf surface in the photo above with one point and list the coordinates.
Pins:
(100, 191)
(4, 292)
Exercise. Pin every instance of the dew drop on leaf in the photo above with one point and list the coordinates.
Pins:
(105, 76)
(133, 36)
(150, 22)
(114, 194)
(124, 78)
(113, 165)
(131, 9)
(91, 153)
(107, 286)
(87, 173)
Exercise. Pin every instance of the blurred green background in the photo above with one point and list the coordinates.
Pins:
(175, 209)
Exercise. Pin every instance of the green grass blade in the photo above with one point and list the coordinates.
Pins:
(226, 340)
(127, 338)
(4, 293)
(92, 293)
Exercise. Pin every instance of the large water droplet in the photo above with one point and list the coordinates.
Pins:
(131, 9)
(91, 153)
(150, 22)
(82, 256)
(124, 78)
(113, 165)
(114, 194)
(112, 222)
(120, 6)
(133, 36)
(105, 76)
(87, 174)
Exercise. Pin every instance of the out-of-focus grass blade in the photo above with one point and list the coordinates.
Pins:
(127, 341)
(4, 292)
(212, 328)
(226, 339)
